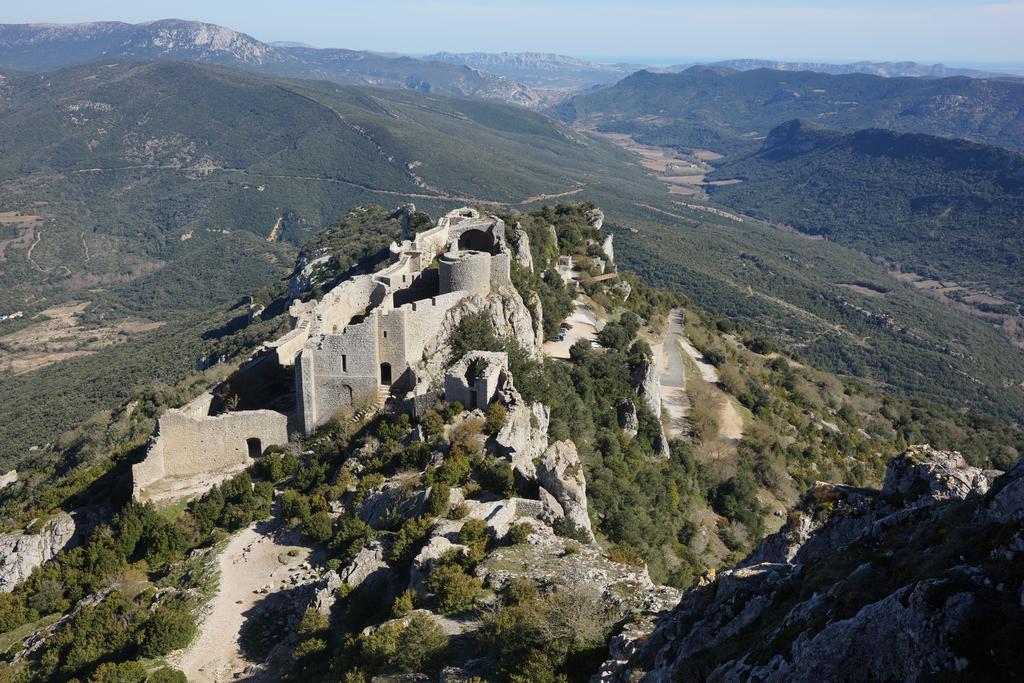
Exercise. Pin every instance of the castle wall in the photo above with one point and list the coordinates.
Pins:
(501, 271)
(188, 444)
(345, 301)
(337, 370)
(423, 322)
(480, 393)
(405, 308)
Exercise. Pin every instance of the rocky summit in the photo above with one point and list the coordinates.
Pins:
(922, 577)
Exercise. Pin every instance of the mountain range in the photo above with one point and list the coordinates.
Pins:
(530, 79)
(887, 69)
(729, 111)
(40, 47)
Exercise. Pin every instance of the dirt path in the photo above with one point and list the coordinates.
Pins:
(546, 197)
(276, 230)
(668, 357)
(730, 421)
(252, 560)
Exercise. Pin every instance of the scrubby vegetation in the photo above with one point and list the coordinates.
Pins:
(138, 579)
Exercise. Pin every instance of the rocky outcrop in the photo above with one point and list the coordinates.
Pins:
(443, 537)
(608, 247)
(391, 498)
(8, 478)
(307, 271)
(648, 386)
(560, 472)
(595, 218)
(507, 313)
(520, 244)
(524, 438)
(628, 419)
(22, 552)
(938, 475)
(920, 579)
(512, 318)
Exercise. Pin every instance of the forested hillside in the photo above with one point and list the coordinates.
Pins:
(731, 111)
(137, 169)
(949, 209)
(151, 190)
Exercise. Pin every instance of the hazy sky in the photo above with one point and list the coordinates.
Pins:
(966, 31)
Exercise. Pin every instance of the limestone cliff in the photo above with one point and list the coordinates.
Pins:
(21, 552)
(920, 579)
(507, 313)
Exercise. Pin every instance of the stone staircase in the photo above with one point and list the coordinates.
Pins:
(379, 403)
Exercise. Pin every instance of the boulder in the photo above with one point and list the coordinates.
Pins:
(22, 552)
(560, 472)
(8, 478)
(923, 471)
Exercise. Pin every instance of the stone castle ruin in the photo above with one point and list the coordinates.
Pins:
(372, 336)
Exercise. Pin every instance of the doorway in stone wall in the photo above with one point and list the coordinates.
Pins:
(385, 373)
(255, 447)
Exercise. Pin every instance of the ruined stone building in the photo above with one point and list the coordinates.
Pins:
(368, 337)
(475, 379)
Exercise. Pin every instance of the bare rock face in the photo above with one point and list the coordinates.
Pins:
(648, 386)
(8, 478)
(901, 583)
(608, 247)
(507, 313)
(20, 552)
(560, 472)
(939, 475)
(525, 434)
(512, 318)
(305, 276)
(1007, 496)
(521, 247)
(595, 217)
